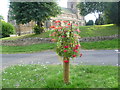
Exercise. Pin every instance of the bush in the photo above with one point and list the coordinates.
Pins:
(6, 29)
(38, 30)
(90, 22)
(100, 21)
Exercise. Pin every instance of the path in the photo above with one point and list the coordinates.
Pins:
(90, 57)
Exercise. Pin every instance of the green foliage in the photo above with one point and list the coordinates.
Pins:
(38, 30)
(67, 39)
(49, 76)
(111, 12)
(24, 12)
(90, 7)
(90, 22)
(100, 20)
(7, 29)
(108, 9)
(1, 17)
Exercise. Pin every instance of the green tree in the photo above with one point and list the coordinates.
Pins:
(108, 9)
(91, 7)
(1, 17)
(7, 29)
(24, 12)
(90, 22)
(111, 12)
(100, 20)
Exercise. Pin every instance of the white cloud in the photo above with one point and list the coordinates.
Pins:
(63, 3)
(4, 7)
(91, 17)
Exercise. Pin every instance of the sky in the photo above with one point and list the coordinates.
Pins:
(4, 7)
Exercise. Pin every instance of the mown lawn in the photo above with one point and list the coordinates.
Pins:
(107, 44)
(98, 30)
(86, 31)
(51, 76)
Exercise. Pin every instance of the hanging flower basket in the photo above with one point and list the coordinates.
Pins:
(68, 45)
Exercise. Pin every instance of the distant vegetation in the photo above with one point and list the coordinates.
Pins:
(86, 31)
(6, 29)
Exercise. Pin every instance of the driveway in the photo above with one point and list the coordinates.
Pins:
(90, 57)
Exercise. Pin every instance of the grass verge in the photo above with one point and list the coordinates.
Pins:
(51, 76)
(28, 48)
(107, 44)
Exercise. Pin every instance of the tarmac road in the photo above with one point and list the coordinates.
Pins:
(90, 57)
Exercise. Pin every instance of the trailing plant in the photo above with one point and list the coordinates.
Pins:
(68, 45)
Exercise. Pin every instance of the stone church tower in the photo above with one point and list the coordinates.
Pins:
(73, 7)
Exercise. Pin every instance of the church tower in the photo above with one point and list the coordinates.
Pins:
(72, 5)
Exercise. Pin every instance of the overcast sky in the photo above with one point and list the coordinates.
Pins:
(4, 5)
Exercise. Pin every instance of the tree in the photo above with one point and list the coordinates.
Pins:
(90, 22)
(100, 20)
(108, 9)
(91, 7)
(1, 17)
(6, 30)
(24, 12)
(111, 12)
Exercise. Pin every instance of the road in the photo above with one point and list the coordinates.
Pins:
(90, 57)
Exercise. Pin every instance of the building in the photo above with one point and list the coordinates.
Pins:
(71, 13)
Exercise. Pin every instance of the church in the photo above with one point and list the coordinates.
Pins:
(71, 13)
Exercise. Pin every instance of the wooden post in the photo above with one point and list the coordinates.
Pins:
(66, 70)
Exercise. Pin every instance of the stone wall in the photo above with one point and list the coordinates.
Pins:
(29, 41)
(99, 38)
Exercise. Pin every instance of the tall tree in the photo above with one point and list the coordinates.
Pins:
(24, 12)
(111, 12)
(91, 7)
(108, 9)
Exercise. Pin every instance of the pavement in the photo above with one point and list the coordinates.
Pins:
(90, 57)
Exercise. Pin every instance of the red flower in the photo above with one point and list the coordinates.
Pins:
(57, 21)
(65, 46)
(75, 51)
(77, 45)
(76, 48)
(63, 36)
(65, 21)
(53, 40)
(59, 27)
(65, 50)
(73, 55)
(69, 24)
(55, 28)
(66, 26)
(66, 61)
(77, 30)
(80, 54)
(76, 25)
(52, 27)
